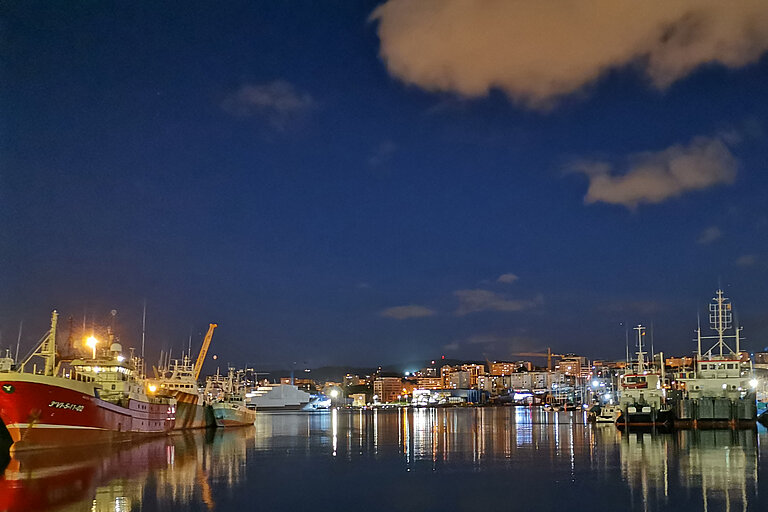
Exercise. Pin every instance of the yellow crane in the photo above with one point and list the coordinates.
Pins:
(548, 354)
(204, 350)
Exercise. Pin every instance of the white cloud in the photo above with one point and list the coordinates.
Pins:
(507, 278)
(409, 311)
(653, 177)
(709, 235)
(538, 52)
(746, 260)
(279, 102)
(451, 347)
(473, 301)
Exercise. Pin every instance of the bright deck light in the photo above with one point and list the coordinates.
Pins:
(753, 383)
(92, 342)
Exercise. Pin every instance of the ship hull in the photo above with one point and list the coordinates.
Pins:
(232, 415)
(47, 412)
(655, 419)
(190, 414)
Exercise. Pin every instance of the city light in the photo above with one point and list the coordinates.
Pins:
(334, 393)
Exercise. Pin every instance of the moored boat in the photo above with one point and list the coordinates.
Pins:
(231, 409)
(276, 397)
(642, 400)
(720, 391)
(178, 379)
(101, 399)
(606, 413)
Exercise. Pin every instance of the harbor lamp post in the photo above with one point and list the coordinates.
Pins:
(92, 342)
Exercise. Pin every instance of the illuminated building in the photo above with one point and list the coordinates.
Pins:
(387, 389)
(474, 370)
(502, 368)
(429, 383)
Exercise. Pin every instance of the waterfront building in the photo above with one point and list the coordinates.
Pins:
(678, 363)
(427, 371)
(474, 371)
(459, 380)
(429, 383)
(387, 389)
(502, 368)
(572, 365)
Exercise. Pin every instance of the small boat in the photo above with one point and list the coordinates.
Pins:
(605, 413)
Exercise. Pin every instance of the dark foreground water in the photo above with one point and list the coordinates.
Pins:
(484, 459)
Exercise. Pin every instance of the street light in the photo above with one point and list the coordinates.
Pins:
(92, 342)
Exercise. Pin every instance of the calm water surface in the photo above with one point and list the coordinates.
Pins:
(403, 460)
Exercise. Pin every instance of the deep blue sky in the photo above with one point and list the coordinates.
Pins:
(257, 164)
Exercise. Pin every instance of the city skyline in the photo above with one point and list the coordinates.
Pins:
(368, 183)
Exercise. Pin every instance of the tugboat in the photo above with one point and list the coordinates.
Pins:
(720, 392)
(99, 399)
(643, 399)
(178, 379)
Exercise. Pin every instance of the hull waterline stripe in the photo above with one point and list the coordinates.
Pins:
(50, 426)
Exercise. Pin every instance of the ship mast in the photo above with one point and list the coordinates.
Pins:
(640, 354)
(47, 349)
(720, 320)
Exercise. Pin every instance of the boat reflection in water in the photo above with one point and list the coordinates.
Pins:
(721, 464)
(172, 471)
(436, 459)
(109, 479)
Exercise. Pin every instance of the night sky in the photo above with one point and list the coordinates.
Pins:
(334, 183)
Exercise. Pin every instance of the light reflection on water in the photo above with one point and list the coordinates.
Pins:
(416, 459)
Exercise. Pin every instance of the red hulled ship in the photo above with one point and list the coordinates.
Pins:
(84, 401)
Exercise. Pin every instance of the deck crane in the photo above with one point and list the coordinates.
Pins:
(548, 354)
(204, 350)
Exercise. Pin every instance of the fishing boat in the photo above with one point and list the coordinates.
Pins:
(231, 409)
(178, 379)
(88, 400)
(720, 392)
(643, 400)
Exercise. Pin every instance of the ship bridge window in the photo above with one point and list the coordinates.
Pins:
(731, 366)
(634, 380)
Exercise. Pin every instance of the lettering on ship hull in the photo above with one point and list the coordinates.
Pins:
(66, 405)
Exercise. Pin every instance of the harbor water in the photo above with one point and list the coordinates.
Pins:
(450, 459)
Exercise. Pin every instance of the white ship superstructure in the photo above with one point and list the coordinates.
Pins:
(277, 396)
(722, 387)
